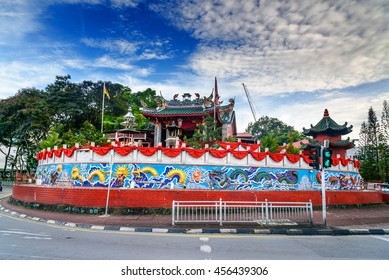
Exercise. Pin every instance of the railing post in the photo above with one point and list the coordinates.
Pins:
(267, 211)
(311, 211)
(221, 212)
(173, 208)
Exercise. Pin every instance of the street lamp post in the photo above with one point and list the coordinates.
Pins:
(109, 184)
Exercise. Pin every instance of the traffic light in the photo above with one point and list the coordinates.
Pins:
(314, 155)
(327, 161)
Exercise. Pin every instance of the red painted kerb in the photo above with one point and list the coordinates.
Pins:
(158, 198)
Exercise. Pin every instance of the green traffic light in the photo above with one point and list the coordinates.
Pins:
(327, 161)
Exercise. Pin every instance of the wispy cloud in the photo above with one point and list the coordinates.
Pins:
(18, 18)
(116, 46)
(287, 46)
(139, 50)
(17, 75)
(125, 3)
(294, 56)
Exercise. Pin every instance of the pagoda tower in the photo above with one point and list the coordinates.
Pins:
(328, 129)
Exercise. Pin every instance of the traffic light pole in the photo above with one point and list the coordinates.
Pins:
(323, 190)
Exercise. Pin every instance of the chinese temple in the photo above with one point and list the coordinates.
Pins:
(174, 119)
(328, 129)
(154, 176)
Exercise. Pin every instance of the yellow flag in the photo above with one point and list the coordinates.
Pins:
(105, 91)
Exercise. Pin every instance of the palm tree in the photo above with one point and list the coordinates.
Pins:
(293, 136)
(51, 141)
(269, 141)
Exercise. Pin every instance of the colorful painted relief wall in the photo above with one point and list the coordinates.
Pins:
(164, 176)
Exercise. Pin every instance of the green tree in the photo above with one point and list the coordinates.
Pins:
(269, 142)
(384, 146)
(24, 122)
(72, 104)
(279, 130)
(206, 133)
(293, 136)
(373, 150)
(385, 120)
(148, 97)
(51, 140)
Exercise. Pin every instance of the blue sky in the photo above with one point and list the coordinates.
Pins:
(296, 58)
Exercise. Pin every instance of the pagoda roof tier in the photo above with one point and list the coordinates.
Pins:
(346, 143)
(327, 126)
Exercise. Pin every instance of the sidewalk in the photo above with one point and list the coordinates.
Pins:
(362, 220)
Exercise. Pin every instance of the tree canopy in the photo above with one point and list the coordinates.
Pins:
(274, 133)
(67, 113)
(374, 146)
(63, 113)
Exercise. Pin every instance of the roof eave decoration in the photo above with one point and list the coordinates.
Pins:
(226, 114)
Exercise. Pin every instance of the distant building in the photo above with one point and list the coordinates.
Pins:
(246, 137)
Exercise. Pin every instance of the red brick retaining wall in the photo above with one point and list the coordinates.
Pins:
(156, 198)
(385, 197)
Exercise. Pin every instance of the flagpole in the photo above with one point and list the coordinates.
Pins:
(102, 111)
(214, 105)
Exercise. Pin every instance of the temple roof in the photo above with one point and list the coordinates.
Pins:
(174, 111)
(327, 126)
(190, 108)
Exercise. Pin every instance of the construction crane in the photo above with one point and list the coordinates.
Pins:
(250, 102)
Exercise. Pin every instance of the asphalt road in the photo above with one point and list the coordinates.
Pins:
(21, 239)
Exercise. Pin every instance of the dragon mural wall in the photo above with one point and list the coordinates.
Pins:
(159, 176)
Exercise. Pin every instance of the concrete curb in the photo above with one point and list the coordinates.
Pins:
(279, 231)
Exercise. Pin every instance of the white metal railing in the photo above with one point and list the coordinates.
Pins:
(241, 212)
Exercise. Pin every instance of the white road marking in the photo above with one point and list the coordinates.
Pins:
(205, 248)
(22, 233)
(26, 235)
(37, 237)
(382, 238)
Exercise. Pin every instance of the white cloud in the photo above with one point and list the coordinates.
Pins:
(125, 3)
(117, 46)
(288, 46)
(286, 52)
(104, 61)
(17, 75)
(18, 18)
(139, 50)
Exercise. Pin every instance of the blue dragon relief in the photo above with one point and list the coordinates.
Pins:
(243, 179)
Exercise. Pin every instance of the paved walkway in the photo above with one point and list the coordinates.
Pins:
(356, 220)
